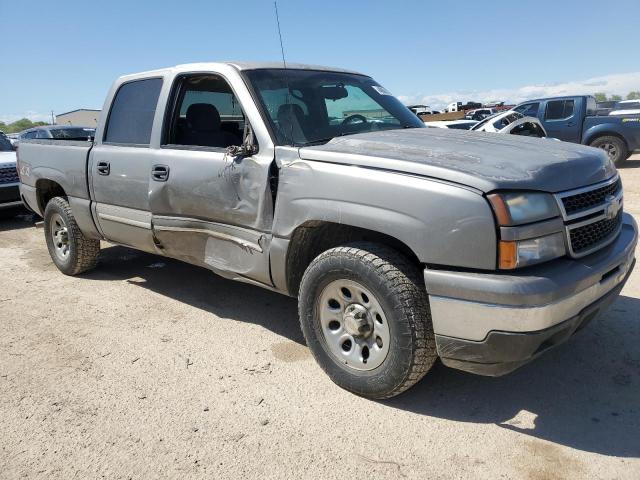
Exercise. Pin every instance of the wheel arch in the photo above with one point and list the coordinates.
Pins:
(594, 135)
(313, 237)
(46, 190)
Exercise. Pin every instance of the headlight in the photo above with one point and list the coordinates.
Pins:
(520, 253)
(518, 208)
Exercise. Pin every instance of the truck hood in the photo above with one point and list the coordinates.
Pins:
(485, 161)
(7, 159)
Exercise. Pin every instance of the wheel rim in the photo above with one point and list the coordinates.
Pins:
(60, 236)
(610, 148)
(354, 326)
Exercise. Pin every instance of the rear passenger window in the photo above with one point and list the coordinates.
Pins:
(132, 112)
(559, 109)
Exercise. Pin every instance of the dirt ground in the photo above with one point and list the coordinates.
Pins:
(150, 368)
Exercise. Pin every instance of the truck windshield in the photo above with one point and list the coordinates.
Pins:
(307, 107)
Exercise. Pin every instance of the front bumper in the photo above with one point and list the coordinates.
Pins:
(491, 324)
(10, 196)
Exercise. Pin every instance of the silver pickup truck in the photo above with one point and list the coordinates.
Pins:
(402, 243)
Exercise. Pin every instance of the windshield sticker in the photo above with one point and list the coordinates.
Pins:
(381, 90)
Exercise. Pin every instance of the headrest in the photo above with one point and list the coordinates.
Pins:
(288, 109)
(203, 116)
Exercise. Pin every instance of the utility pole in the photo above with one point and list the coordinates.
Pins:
(53, 121)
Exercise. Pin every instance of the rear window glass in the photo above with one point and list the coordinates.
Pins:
(132, 112)
(559, 109)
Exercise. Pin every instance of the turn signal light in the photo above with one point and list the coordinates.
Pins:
(507, 255)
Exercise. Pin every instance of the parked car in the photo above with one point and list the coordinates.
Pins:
(626, 107)
(402, 243)
(574, 119)
(480, 113)
(421, 109)
(455, 124)
(9, 182)
(512, 123)
(13, 139)
(58, 132)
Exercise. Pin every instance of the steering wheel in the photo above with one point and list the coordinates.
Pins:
(356, 116)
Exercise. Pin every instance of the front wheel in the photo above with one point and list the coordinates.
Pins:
(365, 316)
(70, 250)
(615, 147)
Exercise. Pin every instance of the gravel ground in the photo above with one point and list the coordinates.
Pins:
(150, 368)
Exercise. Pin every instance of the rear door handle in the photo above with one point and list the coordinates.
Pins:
(570, 124)
(104, 168)
(160, 173)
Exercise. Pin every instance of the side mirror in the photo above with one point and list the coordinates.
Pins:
(249, 146)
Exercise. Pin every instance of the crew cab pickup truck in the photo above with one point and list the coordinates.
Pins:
(401, 243)
(574, 119)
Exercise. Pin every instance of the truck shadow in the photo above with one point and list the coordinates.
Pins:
(15, 219)
(202, 289)
(584, 394)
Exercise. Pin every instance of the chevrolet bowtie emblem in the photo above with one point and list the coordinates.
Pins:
(611, 207)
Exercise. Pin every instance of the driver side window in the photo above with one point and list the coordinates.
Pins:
(206, 113)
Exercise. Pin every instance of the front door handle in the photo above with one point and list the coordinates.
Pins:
(160, 173)
(104, 168)
(570, 124)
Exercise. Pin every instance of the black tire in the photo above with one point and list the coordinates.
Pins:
(615, 147)
(399, 289)
(82, 252)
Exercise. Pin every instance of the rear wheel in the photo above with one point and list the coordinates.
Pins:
(70, 250)
(615, 147)
(365, 316)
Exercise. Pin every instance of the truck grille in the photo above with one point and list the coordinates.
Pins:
(584, 238)
(590, 199)
(8, 175)
(592, 216)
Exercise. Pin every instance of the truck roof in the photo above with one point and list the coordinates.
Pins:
(554, 98)
(240, 66)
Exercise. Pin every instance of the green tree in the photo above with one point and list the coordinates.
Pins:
(600, 96)
(615, 98)
(635, 95)
(19, 125)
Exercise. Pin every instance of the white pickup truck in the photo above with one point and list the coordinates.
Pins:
(402, 243)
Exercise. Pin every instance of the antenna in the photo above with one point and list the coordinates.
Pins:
(286, 76)
(284, 62)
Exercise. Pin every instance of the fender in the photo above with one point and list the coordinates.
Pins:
(440, 222)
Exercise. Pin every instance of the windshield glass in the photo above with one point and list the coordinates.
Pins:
(306, 107)
(5, 144)
(72, 133)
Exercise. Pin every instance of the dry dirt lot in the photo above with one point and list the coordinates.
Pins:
(149, 368)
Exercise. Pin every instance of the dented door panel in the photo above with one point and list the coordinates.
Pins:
(214, 210)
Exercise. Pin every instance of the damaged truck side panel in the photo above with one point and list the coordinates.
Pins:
(365, 200)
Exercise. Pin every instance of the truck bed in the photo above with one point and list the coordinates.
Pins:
(627, 126)
(62, 161)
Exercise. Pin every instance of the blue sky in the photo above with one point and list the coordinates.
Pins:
(63, 55)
